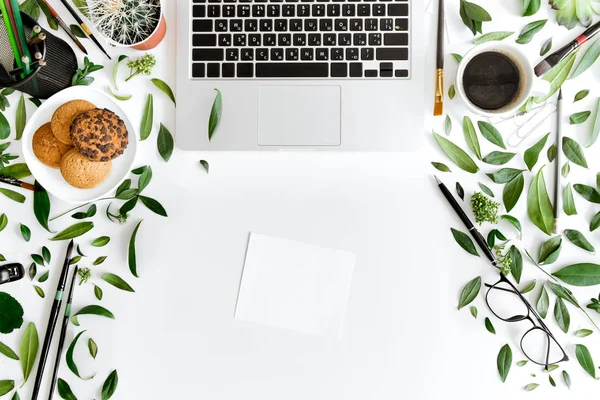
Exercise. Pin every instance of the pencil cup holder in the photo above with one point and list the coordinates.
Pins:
(60, 63)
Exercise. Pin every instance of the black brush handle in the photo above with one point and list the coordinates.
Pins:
(579, 41)
(440, 38)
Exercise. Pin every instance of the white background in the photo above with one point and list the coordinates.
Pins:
(403, 337)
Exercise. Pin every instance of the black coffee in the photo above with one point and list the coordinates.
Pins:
(492, 81)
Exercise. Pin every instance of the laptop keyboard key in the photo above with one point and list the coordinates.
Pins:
(202, 25)
(314, 39)
(251, 25)
(360, 39)
(262, 54)
(258, 11)
(299, 39)
(276, 54)
(386, 69)
(345, 39)
(326, 25)
(322, 54)
(371, 73)
(371, 24)
(398, 10)
(213, 70)
(281, 25)
(225, 40)
(352, 54)
(273, 10)
(235, 25)
(307, 54)
(303, 10)
(239, 39)
(232, 54)
(245, 70)
(270, 39)
(401, 73)
(392, 53)
(374, 39)
(228, 70)
(341, 24)
(339, 70)
(364, 10)
(348, 10)
(292, 70)
(214, 11)
(356, 24)
(367, 54)
(247, 55)
(229, 11)
(318, 10)
(254, 40)
(243, 11)
(337, 54)
(207, 54)
(356, 70)
(386, 24)
(285, 39)
(199, 11)
(288, 10)
(395, 39)
(334, 10)
(310, 25)
(199, 40)
(291, 54)
(330, 39)
(401, 24)
(198, 70)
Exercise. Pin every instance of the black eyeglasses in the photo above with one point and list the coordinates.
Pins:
(538, 344)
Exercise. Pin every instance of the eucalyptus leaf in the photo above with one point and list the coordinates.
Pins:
(561, 315)
(492, 134)
(101, 241)
(473, 311)
(25, 232)
(165, 88)
(588, 193)
(595, 224)
(74, 231)
(120, 97)
(492, 36)
(552, 382)
(585, 360)
(539, 207)
(31, 8)
(557, 76)
(587, 60)
(489, 327)
(516, 263)
(596, 127)
(498, 158)
(582, 274)
(93, 348)
(440, 166)
(44, 277)
(530, 387)
(147, 118)
(456, 154)
(6, 386)
(530, 30)
(550, 250)
(165, 143)
(28, 350)
(110, 385)
(579, 240)
(569, 201)
(39, 260)
(64, 390)
(476, 12)
(215, 115)
(92, 310)
(583, 333)
(574, 152)
(144, 179)
(486, 190)
(32, 271)
(543, 303)
(522, 363)
(8, 352)
(16, 171)
(11, 194)
(463, 241)
(512, 192)
(71, 361)
(532, 154)
(132, 259)
(4, 127)
(21, 117)
(99, 260)
(505, 175)
(582, 94)
(530, 7)
(461, 193)
(471, 137)
(469, 292)
(529, 287)
(448, 125)
(153, 205)
(41, 206)
(98, 292)
(546, 47)
(552, 152)
(117, 282)
(504, 361)
(39, 291)
(514, 222)
(567, 379)
(579, 117)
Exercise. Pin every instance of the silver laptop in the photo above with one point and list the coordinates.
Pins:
(342, 75)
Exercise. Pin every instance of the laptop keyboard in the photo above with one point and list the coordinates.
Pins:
(316, 39)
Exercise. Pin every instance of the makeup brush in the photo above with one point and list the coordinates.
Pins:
(438, 108)
(560, 55)
(17, 183)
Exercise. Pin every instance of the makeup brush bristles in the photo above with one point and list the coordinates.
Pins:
(542, 68)
(438, 109)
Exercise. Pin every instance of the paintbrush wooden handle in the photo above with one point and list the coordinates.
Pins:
(440, 37)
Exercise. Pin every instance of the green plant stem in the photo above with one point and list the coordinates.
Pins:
(134, 74)
(78, 207)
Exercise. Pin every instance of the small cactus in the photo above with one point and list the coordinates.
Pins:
(127, 22)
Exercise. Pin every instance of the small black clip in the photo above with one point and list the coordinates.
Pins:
(11, 273)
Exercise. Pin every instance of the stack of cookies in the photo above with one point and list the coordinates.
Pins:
(82, 141)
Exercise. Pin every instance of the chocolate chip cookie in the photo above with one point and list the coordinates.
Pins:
(99, 134)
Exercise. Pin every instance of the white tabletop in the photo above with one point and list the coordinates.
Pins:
(176, 338)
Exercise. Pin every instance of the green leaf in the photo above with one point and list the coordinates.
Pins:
(21, 117)
(469, 292)
(64, 390)
(498, 158)
(504, 361)
(116, 70)
(16, 171)
(452, 92)
(52, 22)
(585, 359)
(6, 386)
(567, 379)
(147, 118)
(3, 221)
(583, 274)
(574, 152)
(492, 134)
(587, 60)
(215, 115)
(532, 154)
(77, 31)
(144, 179)
(41, 206)
(98, 292)
(4, 127)
(516, 263)
(93, 348)
(588, 193)
(35, 101)
(539, 207)
(40, 291)
(165, 88)
(132, 259)
(562, 316)
(92, 310)
(530, 7)
(476, 12)
(448, 125)
(473, 311)
(514, 222)
(28, 350)
(595, 224)
(531, 386)
(456, 154)
(486, 190)
(471, 137)
(460, 191)
(522, 363)
(582, 94)
(569, 201)
(11, 194)
(492, 36)
(583, 333)
(31, 8)
(550, 250)
(543, 303)
(580, 117)
(154, 206)
(505, 175)
(596, 127)
(457, 57)
(44, 277)
(110, 385)
(8, 352)
(488, 325)
(464, 241)
(127, 194)
(25, 232)
(101, 241)
(529, 287)
(493, 235)
(530, 30)
(546, 47)
(557, 76)
(563, 293)
(32, 271)
(39, 260)
(579, 240)
(439, 166)
(552, 152)
(99, 260)
(117, 282)
(71, 362)
(125, 185)
(165, 143)
(120, 97)
(551, 381)
(512, 192)
(74, 231)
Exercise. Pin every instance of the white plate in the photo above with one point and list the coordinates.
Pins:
(51, 179)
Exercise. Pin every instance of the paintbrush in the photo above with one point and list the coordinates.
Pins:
(17, 183)
(84, 27)
(438, 108)
(560, 55)
(65, 27)
(557, 175)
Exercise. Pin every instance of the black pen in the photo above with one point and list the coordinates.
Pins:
(84, 27)
(472, 230)
(52, 322)
(63, 334)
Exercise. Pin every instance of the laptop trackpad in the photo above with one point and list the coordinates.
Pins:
(299, 116)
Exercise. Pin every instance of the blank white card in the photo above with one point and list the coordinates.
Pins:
(294, 285)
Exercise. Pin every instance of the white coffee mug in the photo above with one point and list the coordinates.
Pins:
(529, 84)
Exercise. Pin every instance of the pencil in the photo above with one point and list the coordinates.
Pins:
(10, 31)
(20, 35)
(63, 334)
(17, 183)
(84, 27)
(65, 27)
(439, 83)
(60, 289)
(557, 174)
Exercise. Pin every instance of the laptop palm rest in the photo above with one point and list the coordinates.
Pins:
(299, 116)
